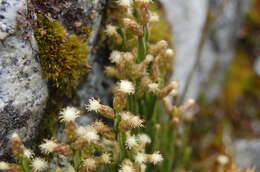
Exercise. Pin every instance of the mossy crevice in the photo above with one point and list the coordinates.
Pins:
(62, 55)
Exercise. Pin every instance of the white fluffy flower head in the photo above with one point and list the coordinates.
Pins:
(69, 114)
(90, 163)
(126, 87)
(154, 17)
(144, 138)
(222, 159)
(126, 168)
(4, 166)
(15, 136)
(140, 158)
(106, 158)
(39, 164)
(48, 146)
(111, 30)
(116, 57)
(91, 134)
(28, 153)
(125, 3)
(144, 1)
(156, 158)
(93, 105)
(153, 87)
(131, 142)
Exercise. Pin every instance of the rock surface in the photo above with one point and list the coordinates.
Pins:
(247, 153)
(23, 92)
(188, 19)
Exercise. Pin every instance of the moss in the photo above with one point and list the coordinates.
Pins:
(62, 55)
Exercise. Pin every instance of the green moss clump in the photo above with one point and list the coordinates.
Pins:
(62, 55)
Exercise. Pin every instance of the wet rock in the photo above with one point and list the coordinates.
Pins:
(247, 153)
(188, 19)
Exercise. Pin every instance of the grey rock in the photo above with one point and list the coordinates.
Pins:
(188, 19)
(23, 92)
(257, 66)
(247, 153)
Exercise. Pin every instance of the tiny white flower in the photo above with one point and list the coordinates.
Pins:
(169, 52)
(153, 87)
(156, 158)
(93, 105)
(111, 30)
(48, 146)
(81, 131)
(154, 17)
(135, 121)
(125, 3)
(140, 158)
(4, 166)
(15, 136)
(39, 164)
(126, 168)
(131, 142)
(116, 57)
(125, 115)
(28, 153)
(90, 164)
(149, 58)
(126, 87)
(174, 92)
(144, 138)
(106, 158)
(143, 167)
(144, 1)
(222, 159)
(91, 134)
(69, 114)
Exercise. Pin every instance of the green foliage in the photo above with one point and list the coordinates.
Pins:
(62, 55)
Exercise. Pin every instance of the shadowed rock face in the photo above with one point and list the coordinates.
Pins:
(23, 91)
(188, 19)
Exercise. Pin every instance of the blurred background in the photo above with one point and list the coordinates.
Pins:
(217, 45)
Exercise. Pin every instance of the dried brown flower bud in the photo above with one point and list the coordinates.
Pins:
(133, 26)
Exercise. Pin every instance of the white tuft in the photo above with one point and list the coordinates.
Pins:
(140, 158)
(93, 105)
(153, 87)
(126, 87)
(39, 164)
(131, 142)
(69, 114)
(48, 146)
(126, 168)
(125, 3)
(115, 57)
(4, 166)
(28, 153)
(144, 138)
(154, 17)
(106, 158)
(91, 134)
(156, 158)
(111, 30)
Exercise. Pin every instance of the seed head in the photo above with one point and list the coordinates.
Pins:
(48, 147)
(69, 114)
(125, 3)
(111, 30)
(140, 158)
(106, 158)
(126, 86)
(116, 57)
(156, 158)
(126, 168)
(93, 105)
(144, 138)
(39, 165)
(131, 142)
